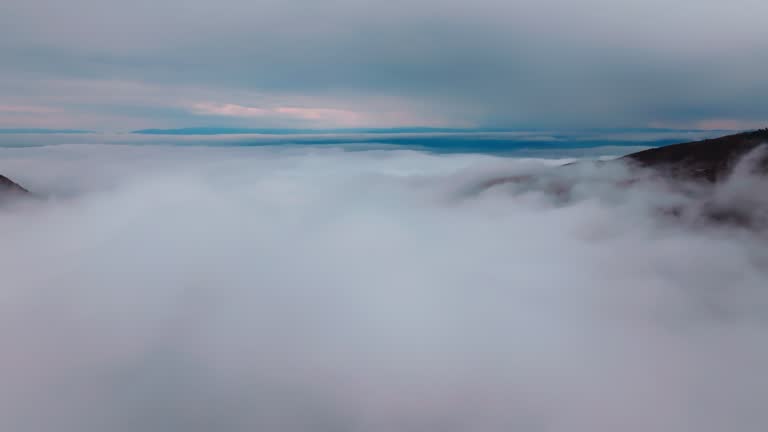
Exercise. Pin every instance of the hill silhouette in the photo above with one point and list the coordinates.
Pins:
(10, 189)
(711, 159)
(721, 178)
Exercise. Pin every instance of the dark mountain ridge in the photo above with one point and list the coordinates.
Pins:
(707, 162)
(722, 180)
(10, 190)
(711, 160)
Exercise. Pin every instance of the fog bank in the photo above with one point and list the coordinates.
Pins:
(316, 289)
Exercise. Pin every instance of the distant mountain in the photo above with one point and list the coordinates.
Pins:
(710, 160)
(709, 163)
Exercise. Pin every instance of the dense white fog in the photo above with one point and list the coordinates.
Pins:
(293, 289)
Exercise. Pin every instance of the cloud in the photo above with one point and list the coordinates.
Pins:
(122, 105)
(713, 124)
(326, 116)
(312, 288)
(26, 109)
(28, 116)
(489, 63)
(230, 110)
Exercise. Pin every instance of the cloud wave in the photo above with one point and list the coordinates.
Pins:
(306, 288)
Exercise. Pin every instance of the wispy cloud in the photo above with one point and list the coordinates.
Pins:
(27, 109)
(329, 116)
(714, 124)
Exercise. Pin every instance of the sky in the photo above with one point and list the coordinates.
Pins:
(350, 280)
(118, 65)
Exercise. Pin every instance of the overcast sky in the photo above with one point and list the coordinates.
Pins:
(121, 65)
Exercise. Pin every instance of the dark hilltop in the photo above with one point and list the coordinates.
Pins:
(711, 160)
(9, 189)
(720, 181)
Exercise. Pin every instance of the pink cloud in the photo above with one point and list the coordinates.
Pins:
(340, 116)
(391, 114)
(27, 109)
(229, 110)
(327, 115)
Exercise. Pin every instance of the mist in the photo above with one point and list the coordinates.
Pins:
(302, 288)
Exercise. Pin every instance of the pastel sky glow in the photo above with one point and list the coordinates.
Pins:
(109, 65)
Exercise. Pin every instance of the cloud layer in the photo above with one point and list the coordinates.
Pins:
(485, 63)
(305, 288)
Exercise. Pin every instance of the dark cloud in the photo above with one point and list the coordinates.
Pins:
(489, 62)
